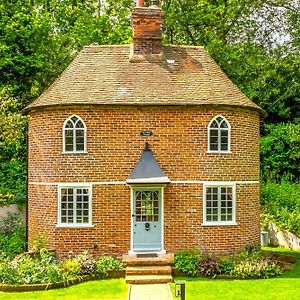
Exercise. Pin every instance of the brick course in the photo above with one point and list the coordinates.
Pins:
(114, 145)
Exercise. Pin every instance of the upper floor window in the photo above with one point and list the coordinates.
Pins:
(74, 135)
(219, 135)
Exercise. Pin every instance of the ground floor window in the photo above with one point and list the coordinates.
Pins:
(75, 206)
(219, 204)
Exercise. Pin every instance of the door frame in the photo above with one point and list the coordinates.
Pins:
(133, 188)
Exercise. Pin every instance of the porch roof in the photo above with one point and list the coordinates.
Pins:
(147, 170)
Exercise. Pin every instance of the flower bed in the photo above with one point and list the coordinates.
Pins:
(40, 271)
(251, 263)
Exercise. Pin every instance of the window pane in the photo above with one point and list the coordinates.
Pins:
(69, 124)
(214, 133)
(79, 124)
(74, 119)
(224, 147)
(214, 124)
(224, 134)
(220, 120)
(224, 124)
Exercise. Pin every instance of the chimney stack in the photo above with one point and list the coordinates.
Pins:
(147, 29)
(140, 3)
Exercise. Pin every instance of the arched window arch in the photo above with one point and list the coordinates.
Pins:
(74, 135)
(219, 135)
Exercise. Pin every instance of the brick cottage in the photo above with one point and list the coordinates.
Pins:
(143, 148)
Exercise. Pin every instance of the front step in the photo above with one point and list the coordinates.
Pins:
(148, 270)
(148, 279)
(160, 260)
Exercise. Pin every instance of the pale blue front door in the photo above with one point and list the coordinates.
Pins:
(147, 231)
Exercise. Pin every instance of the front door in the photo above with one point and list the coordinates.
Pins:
(147, 225)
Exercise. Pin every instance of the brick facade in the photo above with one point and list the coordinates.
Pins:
(114, 145)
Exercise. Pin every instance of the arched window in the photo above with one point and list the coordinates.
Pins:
(74, 135)
(219, 135)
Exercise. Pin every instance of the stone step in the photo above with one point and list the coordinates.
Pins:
(161, 260)
(149, 270)
(148, 279)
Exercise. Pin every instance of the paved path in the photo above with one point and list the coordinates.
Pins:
(150, 292)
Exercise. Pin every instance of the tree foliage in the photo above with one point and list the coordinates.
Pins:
(256, 42)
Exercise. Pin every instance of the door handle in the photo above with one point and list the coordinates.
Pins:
(147, 226)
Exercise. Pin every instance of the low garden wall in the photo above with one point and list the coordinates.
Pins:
(13, 208)
(279, 237)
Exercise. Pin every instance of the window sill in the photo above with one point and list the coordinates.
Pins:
(218, 152)
(74, 152)
(219, 224)
(74, 226)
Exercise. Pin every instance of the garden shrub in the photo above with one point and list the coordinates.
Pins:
(71, 267)
(12, 234)
(256, 269)
(209, 266)
(108, 263)
(226, 265)
(87, 263)
(187, 261)
(25, 269)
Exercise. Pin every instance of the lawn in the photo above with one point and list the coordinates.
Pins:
(110, 289)
(285, 287)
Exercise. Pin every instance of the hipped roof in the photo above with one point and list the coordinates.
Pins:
(104, 75)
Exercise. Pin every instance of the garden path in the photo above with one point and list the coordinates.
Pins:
(150, 292)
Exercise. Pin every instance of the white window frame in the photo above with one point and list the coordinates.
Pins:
(74, 137)
(219, 185)
(219, 136)
(74, 186)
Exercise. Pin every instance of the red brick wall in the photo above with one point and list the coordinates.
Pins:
(179, 143)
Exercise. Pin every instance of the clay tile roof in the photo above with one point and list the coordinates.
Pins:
(147, 170)
(104, 75)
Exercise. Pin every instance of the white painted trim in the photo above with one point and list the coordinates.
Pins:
(74, 152)
(219, 184)
(152, 187)
(219, 224)
(74, 225)
(162, 220)
(218, 152)
(131, 219)
(219, 136)
(74, 137)
(124, 183)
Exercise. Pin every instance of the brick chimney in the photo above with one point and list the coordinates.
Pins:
(147, 29)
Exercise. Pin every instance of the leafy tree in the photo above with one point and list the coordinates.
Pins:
(12, 150)
(280, 155)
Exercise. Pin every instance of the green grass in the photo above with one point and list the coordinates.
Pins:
(110, 289)
(285, 287)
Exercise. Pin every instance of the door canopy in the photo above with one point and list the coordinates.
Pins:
(147, 170)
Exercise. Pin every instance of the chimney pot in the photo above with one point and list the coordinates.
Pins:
(140, 3)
